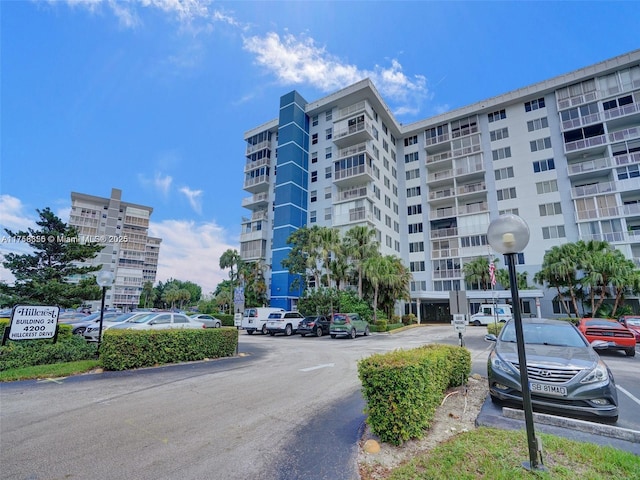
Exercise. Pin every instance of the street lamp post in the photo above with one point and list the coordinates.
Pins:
(105, 280)
(509, 234)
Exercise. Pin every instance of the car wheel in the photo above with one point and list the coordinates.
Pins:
(319, 331)
(287, 331)
(250, 332)
(477, 323)
(218, 325)
(303, 334)
(366, 331)
(264, 329)
(353, 333)
(333, 335)
(631, 352)
(272, 333)
(80, 331)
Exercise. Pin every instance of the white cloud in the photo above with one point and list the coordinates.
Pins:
(194, 197)
(300, 61)
(159, 182)
(13, 215)
(191, 252)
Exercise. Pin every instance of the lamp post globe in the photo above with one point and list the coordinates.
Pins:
(509, 234)
(105, 279)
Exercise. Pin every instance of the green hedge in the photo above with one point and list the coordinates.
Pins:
(28, 353)
(125, 349)
(495, 328)
(403, 388)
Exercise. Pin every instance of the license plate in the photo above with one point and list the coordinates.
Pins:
(549, 389)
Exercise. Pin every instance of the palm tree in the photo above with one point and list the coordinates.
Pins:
(360, 245)
(339, 269)
(476, 272)
(560, 271)
(379, 271)
(230, 259)
(148, 293)
(323, 242)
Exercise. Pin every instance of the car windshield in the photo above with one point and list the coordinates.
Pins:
(600, 321)
(339, 318)
(275, 315)
(545, 334)
(123, 317)
(635, 321)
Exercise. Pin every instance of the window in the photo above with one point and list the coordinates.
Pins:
(387, 201)
(314, 176)
(506, 193)
(415, 228)
(394, 172)
(410, 140)
(328, 153)
(327, 213)
(503, 173)
(416, 266)
(544, 165)
(617, 102)
(314, 157)
(414, 209)
(328, 133)
(411, 174)
(534, 105)
(509, 210)
(629, 171)
(313, 196)
(396, 227)
(385, 145)
(388, 241)
(376, 191)
(547, 187)
(418, 286)
(396, 245)
(327, 193)
(413, 192)
(312, 216)
(416, 247)
(387, 221)
(314, 139)
(537, 124)
(385, 162)
(329, 115)
(553, 232)
(499, 115)
(327, 172)
(501, 153)
(376, 213)
(540, 144)
(387, 182)
(547, 209)
(395, 208)
(385, 129)
(411, 157)
(499, 134)
(314, 121)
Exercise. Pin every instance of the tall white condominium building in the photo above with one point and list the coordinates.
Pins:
(129, 252)
(563, 154)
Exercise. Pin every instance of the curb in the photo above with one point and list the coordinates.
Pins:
(575, 424)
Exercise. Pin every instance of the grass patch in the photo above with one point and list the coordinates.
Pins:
(488, 453)
(54, 370)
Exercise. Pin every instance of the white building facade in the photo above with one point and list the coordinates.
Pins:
(129, 252)
(564, 154)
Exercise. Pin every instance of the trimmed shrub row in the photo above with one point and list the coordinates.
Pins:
(403, 388)
(125, 349)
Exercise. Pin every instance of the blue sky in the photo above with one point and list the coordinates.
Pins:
(154, 96)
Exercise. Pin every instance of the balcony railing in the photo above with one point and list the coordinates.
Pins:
(473, 208)
(353, 172)
(257, 198)
(352, 150)
(352, 193)
(257, 164)
(441, 175)
(444, 253)
(581, 121)
(577, 100)
(598, 213)
(446, 273)
(473, 168)
(443, 213)
(257, 146)
(595, 189)
(445, 193)
(256, 180)
(439, 157)
(622, 111)
(626, 134)
(435, 140)
(444, 232)
(353, 129)
(627, 159)
(351, 110)
(463, 132)
(631, 209)
(468, 150)
(585, 143)
(589, 166)
(473, 188)
(607, 237)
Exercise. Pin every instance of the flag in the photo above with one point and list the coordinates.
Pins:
(492, 274)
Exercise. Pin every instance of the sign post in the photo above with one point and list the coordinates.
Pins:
(459, 323)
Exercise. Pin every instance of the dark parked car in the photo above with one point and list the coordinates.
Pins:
(615, 334)
(315, 325)
(565, 373)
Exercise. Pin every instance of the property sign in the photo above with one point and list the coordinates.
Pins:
(30, 322)
(459, 323)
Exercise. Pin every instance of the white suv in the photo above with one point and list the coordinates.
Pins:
(283, 322)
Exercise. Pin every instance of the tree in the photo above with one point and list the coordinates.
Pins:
(359, 244)
(148, 294)
(56, 272)
(255, 290)
(560, 271)
(231, 259)
(379, 271)
(476, 273)
(325, 241)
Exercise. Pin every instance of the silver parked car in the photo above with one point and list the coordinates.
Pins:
(92, 331)
(209, 321)
(566, 375)
(158, 321)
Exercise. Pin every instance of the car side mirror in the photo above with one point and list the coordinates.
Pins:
(490, 337)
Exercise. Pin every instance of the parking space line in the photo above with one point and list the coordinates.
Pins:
(628, 394)
(308, 369)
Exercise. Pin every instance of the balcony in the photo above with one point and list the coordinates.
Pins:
(463, 132)
(253, 234)
(254, 254)
(582, 215)
(581, 121)
(440, 194)
(623, 111)
(472, 188)
(355, 149)
(257, 184)
(589, 166)
(353, 176)
(606, 237)
(439, 157)
(627, 159)
(428, 141)
(440, 176)
(447, 273)
(473, 208)
(466, 150)
(358, 133)
(443, 233)
(474, 165)
(258, 146)
(625, 134)
(352, 193)
(352, 110)
(577, 100)
(257, 164)
(595, 189)
(257, 201)
(585, 143)
(631, 210)
(444, 253)
(442, 213)
(355, 215)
